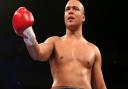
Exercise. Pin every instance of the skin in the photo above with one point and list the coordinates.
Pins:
(73, 60)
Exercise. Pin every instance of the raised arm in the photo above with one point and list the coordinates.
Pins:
(22, 22)
(42, 51)
(97, 75)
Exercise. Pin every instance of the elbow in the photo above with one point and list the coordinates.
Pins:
(35, 59)
(35, 56)
(39, 57)
(43, 58)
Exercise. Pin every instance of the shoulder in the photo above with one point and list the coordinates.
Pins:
(52, 39)
(98, 57)
(95, 49)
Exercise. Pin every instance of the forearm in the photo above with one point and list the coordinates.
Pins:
(39, 52)
(31, 43)
(34, 50)
(22, 22)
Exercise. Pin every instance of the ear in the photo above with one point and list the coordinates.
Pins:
(83, 18)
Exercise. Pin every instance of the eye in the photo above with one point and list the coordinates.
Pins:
(76, 8)
(67, 8)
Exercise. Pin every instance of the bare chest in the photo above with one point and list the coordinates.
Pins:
(81, 53)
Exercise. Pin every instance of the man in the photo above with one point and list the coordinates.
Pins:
(75, 63)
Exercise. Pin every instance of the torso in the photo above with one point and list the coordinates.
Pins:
(71, 63)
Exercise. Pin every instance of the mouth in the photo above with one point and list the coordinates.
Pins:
(70, 18)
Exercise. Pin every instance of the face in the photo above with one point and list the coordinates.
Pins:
(74, 14)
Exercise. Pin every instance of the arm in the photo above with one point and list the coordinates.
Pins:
(22, 22)
(42, 51)
(97, 76)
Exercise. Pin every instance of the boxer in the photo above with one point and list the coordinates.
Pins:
(75, 62)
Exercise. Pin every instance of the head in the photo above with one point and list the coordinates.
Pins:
(74, 14)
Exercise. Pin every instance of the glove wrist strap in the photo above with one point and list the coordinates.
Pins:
(29, 37)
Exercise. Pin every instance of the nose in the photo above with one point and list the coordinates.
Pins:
(70, 11)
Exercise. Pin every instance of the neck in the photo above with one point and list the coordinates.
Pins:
(74, 33)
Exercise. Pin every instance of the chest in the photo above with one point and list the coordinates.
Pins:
(67, 52)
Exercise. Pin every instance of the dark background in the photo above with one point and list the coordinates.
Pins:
(102, 27)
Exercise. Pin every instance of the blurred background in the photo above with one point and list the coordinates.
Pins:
(102, 27)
